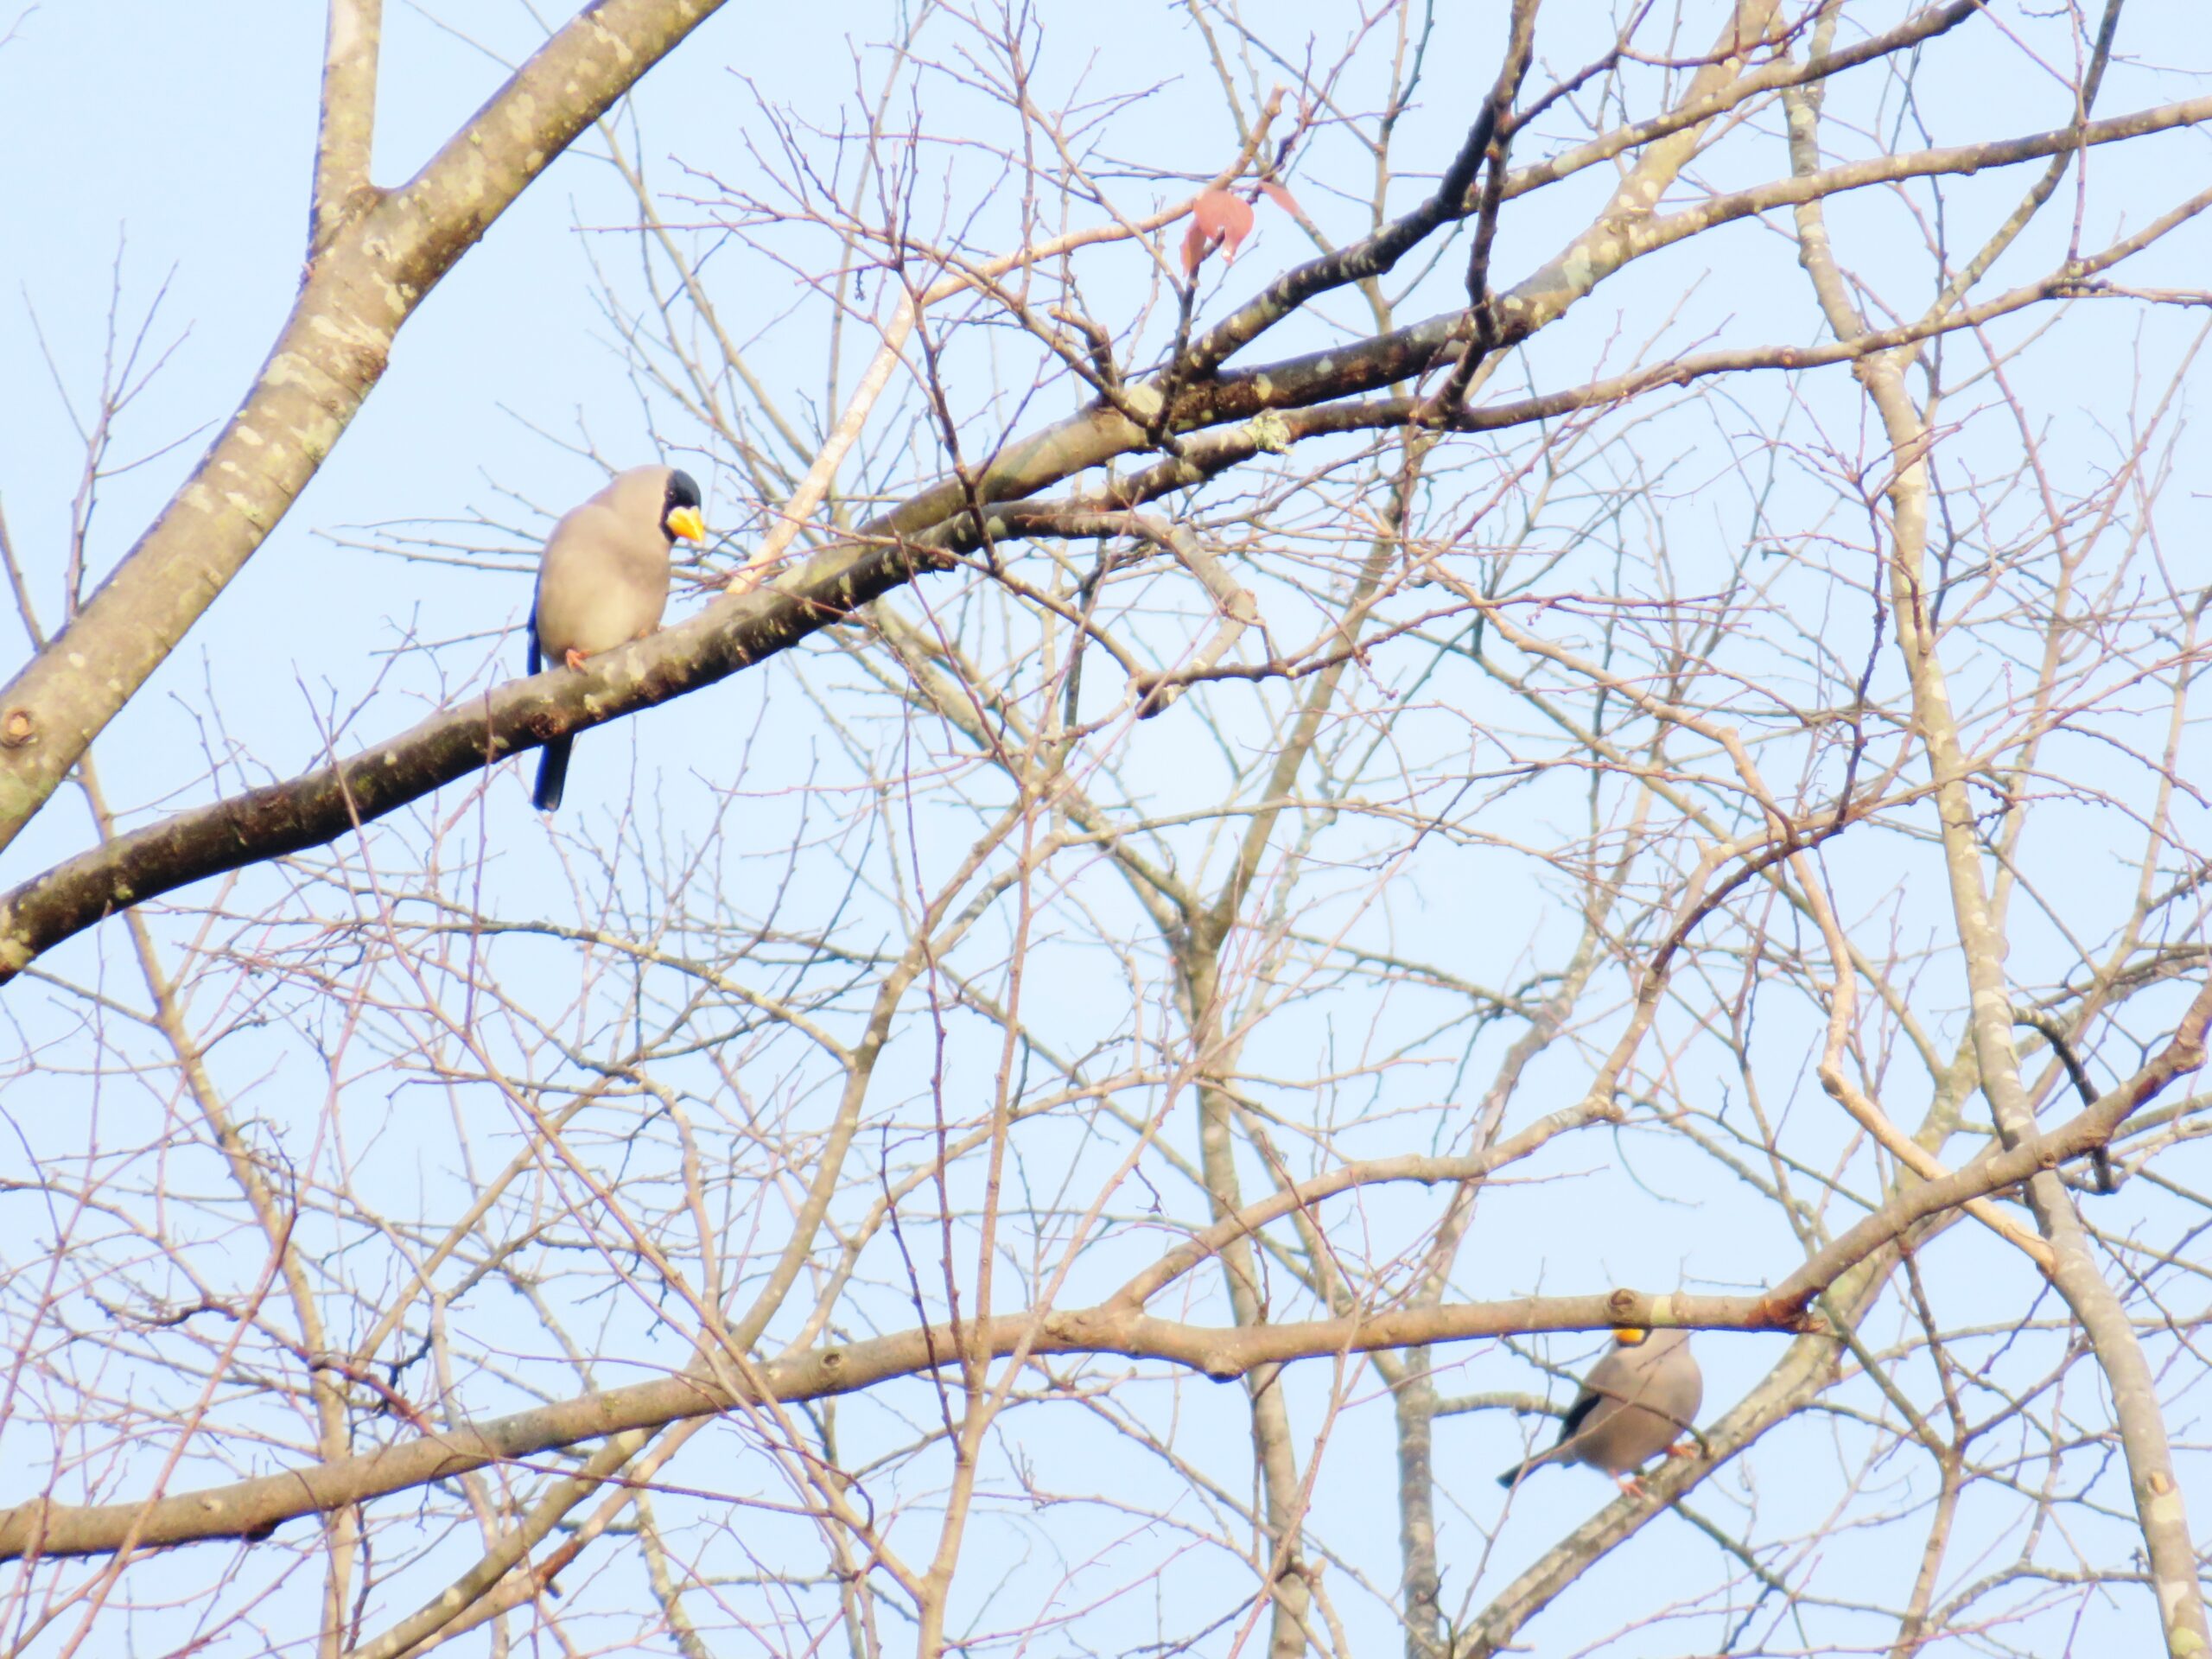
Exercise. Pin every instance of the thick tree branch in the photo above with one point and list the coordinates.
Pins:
(1261, 408)
(360, 290)
(314, 809)
(342, 186)
(321, 805)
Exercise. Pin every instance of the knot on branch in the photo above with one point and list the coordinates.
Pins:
(1221, 1367)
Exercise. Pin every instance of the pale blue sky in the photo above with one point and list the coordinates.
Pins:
(187, 133)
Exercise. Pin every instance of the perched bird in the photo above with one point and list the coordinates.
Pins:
(602, 581)
(1637, 1399)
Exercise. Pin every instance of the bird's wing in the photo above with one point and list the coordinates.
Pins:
(1578, 1413)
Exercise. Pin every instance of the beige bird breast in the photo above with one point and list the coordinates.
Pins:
(603, 579)
(1647, 1399)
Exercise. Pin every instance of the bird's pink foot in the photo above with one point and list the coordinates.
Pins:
(1632, 1486)
(574, 657)
(1683, 1449)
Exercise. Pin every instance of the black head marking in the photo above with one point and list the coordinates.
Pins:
(683, 494)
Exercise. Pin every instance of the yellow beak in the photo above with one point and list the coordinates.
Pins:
(1629, 1336)
(686, 523)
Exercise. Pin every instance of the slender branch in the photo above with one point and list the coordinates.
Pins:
(2159, 1505)
(42, 1529)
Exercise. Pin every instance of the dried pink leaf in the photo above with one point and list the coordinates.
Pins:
(1220, 219)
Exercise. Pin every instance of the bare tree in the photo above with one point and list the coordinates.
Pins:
(1315, 826)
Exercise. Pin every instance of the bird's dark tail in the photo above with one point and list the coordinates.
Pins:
(1513, 1474)
(552, 774)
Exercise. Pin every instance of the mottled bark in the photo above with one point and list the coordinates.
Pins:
(342, 188)
(362, 286)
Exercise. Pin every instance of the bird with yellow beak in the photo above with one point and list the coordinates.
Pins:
(602, 583)
(1637, 1401)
